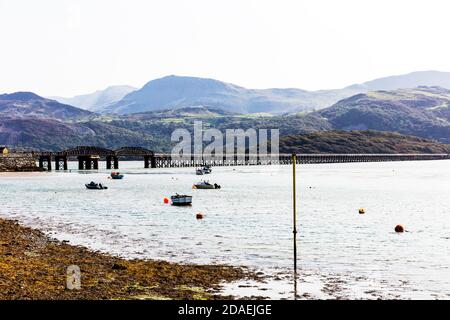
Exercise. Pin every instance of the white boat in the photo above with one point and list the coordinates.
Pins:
(205, 170)
(181, 200)
(205, 185)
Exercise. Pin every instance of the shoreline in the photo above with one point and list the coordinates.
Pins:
(16, 174)
(33, 266)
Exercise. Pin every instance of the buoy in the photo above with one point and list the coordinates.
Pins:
(166, 200)
(399, 228)
(199, 216)
(362, 211)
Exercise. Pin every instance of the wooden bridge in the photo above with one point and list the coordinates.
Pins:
(88, 158)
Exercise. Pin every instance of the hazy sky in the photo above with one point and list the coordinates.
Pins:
(68, 47)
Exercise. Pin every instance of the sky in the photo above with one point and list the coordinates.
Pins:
(70, 47)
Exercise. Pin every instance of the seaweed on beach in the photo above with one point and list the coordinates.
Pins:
(34, 266)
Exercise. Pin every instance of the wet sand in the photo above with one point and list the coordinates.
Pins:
(34, 266)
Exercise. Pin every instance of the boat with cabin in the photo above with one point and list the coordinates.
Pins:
(181, 200)
(205, 170)
(205, 185)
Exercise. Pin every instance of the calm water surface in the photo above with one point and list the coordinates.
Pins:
(249, 221)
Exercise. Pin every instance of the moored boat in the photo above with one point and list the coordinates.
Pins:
(116, 175)
(95, 186)
(205, 185)
(181, 200)
(205, 170)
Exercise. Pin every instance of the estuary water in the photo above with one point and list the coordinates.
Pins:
(341, 254)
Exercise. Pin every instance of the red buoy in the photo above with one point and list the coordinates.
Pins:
(199, 216)
(166, 200)
(399, 228)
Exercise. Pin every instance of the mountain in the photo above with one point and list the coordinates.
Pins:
(423, 112)
(54, 135)
(359, 142)
(34, 122)
(410, 80)
(21, 105)
(178, 92)
(98, 100)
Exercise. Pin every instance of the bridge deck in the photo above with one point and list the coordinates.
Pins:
(88, 158)
(165, 160)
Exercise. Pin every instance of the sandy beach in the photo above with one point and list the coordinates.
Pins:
(34, 266)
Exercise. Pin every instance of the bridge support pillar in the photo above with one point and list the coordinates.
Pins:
(81, 163)
(112, 162)
(153, 161)
(60, 163)
(45, 163)
(108, 162)
(87, 163)
(146, 162)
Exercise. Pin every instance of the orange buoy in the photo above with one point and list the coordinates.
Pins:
(362, 211)
(199, 216)
(166, 200)
(399, 228)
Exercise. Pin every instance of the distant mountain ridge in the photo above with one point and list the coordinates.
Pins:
(177, 92)
(98, 100)
(28, 120)
(410, 80)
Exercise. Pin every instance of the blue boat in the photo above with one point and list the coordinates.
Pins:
(116, 175)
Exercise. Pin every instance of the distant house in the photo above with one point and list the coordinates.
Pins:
(4, 151)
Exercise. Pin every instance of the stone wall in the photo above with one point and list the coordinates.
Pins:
(18, 162)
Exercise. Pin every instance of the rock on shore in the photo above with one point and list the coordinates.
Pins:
(17, 162)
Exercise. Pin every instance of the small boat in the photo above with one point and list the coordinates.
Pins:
(205, 185)
(205, 170)
(116, 175)
(95, 186)
(181, 200)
